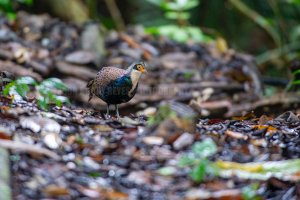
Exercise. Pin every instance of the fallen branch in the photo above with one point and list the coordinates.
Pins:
(15, 145)
(132, 43)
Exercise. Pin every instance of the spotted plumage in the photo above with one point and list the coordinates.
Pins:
(114, 85)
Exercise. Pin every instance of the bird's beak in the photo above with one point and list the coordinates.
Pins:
(144, 70)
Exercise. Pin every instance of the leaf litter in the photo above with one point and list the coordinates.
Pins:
(187, 148)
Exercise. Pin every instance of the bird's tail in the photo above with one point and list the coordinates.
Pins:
(90, 87)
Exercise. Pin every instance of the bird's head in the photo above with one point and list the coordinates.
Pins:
(139, 67)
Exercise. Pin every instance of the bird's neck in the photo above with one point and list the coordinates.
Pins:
(135, 76)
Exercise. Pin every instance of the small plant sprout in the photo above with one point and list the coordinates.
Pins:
(198, 160)
(164, 112)
(8, 7)
(46, 91)
(250, 192)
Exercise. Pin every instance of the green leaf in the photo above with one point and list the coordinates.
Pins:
(59, 100)
(297, 82)
(27, 2)
(171, 15)
(195, 33)
(54, 83)
(186, 160)
(296, 2)
(166, 171)
(167, 30)
(152, 30)
(11, 16)
(164, 112)
(5, 2)
(42, 90)
(172, 6)
(250, 192)
(50, 96)
(26, 80)
(180, 5)
(296, 72)
(199, 171)
(177, 15)
(180, 35)
(6, 5)
(177, 5)
(79, 140)
(8, 88)
(22, 89)
(94, 174)
(205, 148)
(188, 75)
(43, 103)
(191, 4)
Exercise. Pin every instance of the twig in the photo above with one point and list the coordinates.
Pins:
(15, 145)
(129, 40)
(115, 14)
(282, 26)
(275, 53)
(236, 135)
(132, 43)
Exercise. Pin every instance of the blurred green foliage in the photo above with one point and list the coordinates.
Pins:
(164, 112)
(179, 28)
(269, 29)
(250, 192)
(45, 90)
(9, 7)
(198, 160)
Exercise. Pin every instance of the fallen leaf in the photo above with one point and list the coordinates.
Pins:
(249, 115)
(56, 191)
(102, 128)
(267, 127)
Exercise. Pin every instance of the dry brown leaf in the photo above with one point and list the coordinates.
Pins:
(102, 128)
(249, 115)
(114, 195)
(267, 127)
(56, 191)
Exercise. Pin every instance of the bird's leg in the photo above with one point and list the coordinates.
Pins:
(107, 111)
(117, 111)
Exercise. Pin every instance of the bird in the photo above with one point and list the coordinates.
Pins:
(114, 85)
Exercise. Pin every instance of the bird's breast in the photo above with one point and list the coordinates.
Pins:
(135, 76)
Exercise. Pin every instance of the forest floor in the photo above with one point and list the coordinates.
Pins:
(199, 126)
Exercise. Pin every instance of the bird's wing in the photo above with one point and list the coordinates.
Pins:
(108, 74)
(123, 81)
(103, 78)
